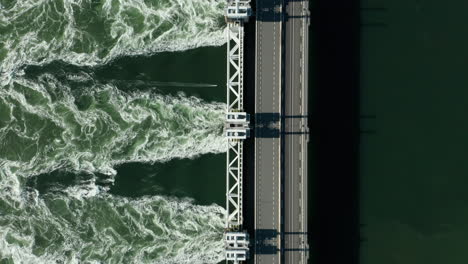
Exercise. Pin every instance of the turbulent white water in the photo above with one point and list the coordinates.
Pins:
(83, 126)
(58, 228)
(47, 125)
(90, 32)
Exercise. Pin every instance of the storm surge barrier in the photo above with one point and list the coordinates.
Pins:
(237, 129)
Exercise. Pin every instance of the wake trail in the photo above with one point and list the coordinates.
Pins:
(68, 228)
(47, 124)
(88, 33)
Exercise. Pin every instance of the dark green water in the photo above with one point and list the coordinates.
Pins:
(72, 190)
(191, 182)
(414, 203)
(111, 116)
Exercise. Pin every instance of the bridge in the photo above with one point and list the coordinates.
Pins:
(279, 129)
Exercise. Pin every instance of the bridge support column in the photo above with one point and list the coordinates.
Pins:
(236, 130)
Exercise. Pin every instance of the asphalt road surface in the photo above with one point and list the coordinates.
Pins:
(295, 136)
(267, 132)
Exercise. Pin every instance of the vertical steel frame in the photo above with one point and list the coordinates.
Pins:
(235, 103)
(234, 186)
(235, 67)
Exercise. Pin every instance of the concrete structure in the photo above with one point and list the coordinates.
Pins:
(281, 132)
(267, 132)
(238, 10)
(237, 246)
(295, 136)
(237, 129)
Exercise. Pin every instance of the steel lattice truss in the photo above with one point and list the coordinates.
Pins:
(235, 67)
(237, 129)
(234, 185)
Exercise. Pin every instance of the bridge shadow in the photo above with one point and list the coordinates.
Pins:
(334, 124)
(271, 11)
(267, 125)
(295, 116)
(265, 240)
(268, 11)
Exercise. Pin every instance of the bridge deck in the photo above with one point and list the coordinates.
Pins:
(295, 132)
(267, 141)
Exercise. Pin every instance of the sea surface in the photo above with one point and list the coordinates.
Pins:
(414, 147)
(111, 113)
(111, 118)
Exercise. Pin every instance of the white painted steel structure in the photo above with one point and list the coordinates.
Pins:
(237, 129)
(237, 246)
(238, 10)
(235, 105)
(235, 66)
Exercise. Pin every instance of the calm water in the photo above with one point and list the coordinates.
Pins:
(414, 203)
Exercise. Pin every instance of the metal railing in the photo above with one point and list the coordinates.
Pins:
(237, 129)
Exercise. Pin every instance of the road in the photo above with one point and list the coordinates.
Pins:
(267, 136)
(295, 136)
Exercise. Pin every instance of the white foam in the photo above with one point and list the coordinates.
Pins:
(105, 228)
(83, 191)
(94, 128)
(80, 33)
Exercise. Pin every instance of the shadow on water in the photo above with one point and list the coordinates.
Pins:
(334, 125)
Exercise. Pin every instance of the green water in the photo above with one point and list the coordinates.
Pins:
(110, 132)
(111, 116)
(414, 203)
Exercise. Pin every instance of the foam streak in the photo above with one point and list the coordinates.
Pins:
(107, 229)
(47, 125)
(85, 32)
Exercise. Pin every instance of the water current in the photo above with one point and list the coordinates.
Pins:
(85, 32)
(86, 126)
